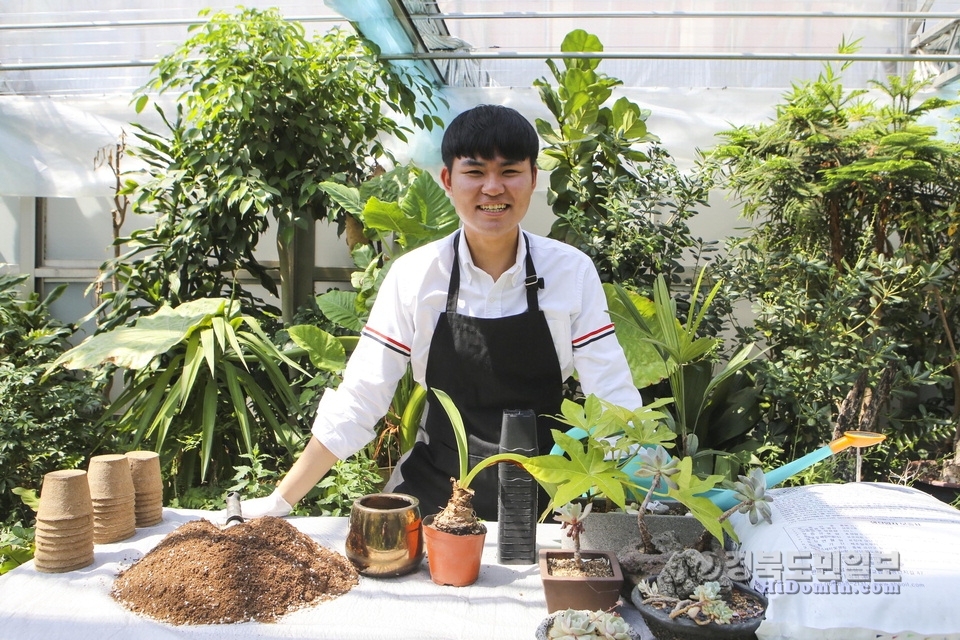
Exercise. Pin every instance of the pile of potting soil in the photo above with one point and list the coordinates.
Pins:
(256, 570)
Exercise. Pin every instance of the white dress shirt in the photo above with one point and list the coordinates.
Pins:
(414, 294)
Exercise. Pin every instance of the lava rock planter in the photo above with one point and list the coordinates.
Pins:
(580, 592)
(663, 627)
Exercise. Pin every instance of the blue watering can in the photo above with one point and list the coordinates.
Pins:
(724, 498)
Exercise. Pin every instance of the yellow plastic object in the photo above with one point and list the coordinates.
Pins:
(856, 439)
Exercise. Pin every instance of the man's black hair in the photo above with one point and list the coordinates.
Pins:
(487, 130)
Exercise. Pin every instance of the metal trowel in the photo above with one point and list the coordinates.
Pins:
(234, 513)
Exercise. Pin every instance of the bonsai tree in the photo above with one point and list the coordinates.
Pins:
(695, 582)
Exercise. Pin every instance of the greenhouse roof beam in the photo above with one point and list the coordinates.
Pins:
(674, 55)
(884, 15)
(115, 24)
(946, 58)
(943, 41)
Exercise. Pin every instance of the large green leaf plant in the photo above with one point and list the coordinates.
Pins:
(617, 194)
(202, 377)
(397, 211)
(263, 115)
(714, 403)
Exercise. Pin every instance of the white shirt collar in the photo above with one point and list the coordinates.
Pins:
(468, 270)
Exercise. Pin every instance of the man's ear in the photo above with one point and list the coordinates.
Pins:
(445, 178)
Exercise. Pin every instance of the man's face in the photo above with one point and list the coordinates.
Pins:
(490, 196)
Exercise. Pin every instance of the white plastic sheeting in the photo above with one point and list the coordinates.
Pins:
(48, 145)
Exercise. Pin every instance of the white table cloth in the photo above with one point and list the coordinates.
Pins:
(506, 601)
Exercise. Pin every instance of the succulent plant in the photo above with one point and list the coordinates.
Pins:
(711, 605)
(571, 516)
(751, 491)
(657, 464)
(573, 624)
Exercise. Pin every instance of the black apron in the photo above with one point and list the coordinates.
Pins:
(485, 365)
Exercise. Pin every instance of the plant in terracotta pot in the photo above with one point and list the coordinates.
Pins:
(585, 468)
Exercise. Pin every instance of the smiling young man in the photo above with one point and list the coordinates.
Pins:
(496, 317)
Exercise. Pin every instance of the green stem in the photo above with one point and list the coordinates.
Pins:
(515, 458)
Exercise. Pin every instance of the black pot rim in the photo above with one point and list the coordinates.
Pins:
(731, 629)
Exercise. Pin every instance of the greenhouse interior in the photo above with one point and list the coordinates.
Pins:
(662, 296)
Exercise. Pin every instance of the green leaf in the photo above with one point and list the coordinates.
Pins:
(347, 197)
(634, 320)
(239, 402)
(136, 346)
(325, 351)
(340, 308)
(208, 424)
(459, 432)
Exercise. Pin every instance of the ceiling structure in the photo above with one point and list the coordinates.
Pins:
(86, 47)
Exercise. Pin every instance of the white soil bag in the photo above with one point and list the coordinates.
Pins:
(852, 561)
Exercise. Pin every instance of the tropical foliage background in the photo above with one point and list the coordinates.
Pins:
(848, 267)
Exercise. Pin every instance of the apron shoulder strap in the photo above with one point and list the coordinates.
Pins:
(532, 281)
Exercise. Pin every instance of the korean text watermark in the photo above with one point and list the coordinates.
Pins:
(817, 572)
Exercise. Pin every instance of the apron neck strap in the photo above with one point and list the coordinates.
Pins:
(532, 282)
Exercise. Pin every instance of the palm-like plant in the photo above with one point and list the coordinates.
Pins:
(710, 409)
(196, 370)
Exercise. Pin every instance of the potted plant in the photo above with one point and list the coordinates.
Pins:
(586, 467)
(582, 624)
(693, 596)
(620, 436)
(569, 581)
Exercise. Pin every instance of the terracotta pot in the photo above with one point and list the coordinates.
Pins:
(683, 628)
(580, 592)
(454, 560)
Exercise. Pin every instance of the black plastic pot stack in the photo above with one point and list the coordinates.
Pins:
(517, 501)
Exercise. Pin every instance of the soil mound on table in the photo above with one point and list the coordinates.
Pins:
(256, 570)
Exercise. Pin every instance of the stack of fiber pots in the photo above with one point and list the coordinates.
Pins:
(111, 491)
(147, 487)
(64, 533)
